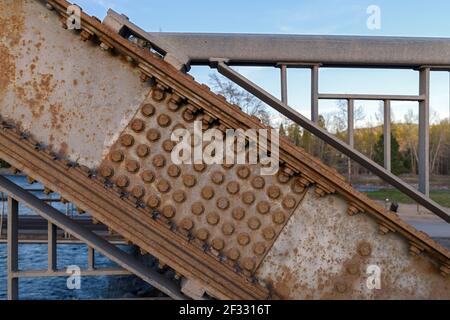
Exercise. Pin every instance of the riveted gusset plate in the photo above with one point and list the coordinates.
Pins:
(232, 209)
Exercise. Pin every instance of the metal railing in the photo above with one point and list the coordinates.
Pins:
(56, 219)
(221, 51)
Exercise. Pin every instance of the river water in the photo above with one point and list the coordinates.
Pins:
(34, 257)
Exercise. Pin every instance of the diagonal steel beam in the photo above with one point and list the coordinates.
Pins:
(107, 249)
(341, 146)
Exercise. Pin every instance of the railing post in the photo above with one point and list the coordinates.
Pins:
(350, 132)
(52, 246)
(315, 93)
(91, 258)
(284, 92)
(387, 135)
(13, 248)
(424, 132)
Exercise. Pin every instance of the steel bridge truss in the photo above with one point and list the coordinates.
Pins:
(222, 51)
(56, 219)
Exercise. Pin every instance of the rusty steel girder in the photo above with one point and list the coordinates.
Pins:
(99, 134)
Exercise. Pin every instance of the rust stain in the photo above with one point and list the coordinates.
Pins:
(12, 20)
(7, 64)
(12, 24)
(63, 149)
(57, 117)
(35, 93)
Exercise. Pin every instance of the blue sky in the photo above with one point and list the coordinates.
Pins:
(334, 17)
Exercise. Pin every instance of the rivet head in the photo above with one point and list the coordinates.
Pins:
(268, 233)
(218, 244)
(340, 287)
(168, 145)
(197, 208)
(254, 223)
(142, 150)
(258, 182)
(122, 182)
(148, 110)
(153, 202)
(179, 196)
(116, 156)
(234, 254)
(353, 269)
(153, 135)
(297, 186)
(243, 239)
(259, 248)
(159, 161)
(199, 167)
(228, 229)
(173, 171)
(132, 166)
(228, 165)
(169, 212)
(233, 187)
(248, 198)
(223, 203)
(207, 193)
(263, 207)
(243, 172)
(274, 192)
(202, 234)
(164, 120)
(138, 192)
(106, 171)
(173, 106)
(188, 116)
(148, 176)
(279, 217)
(163, 186)
(158, 95)
(248, 264)
(289, 202)
(283, 177)
(364, 249)
(217, 177)
(187, 224)
(238, 214)
(127, 140)
(189, 180)
(213, 218)
(137, 125)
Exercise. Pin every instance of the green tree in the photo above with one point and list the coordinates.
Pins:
(397, 161)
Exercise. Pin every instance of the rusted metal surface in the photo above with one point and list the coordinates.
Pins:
(169, 211)
(107, 205)
(73, 97)
(341, 248)
(232, 209)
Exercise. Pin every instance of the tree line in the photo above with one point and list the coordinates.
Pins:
(368, 139)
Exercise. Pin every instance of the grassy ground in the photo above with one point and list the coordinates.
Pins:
(440, 196)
